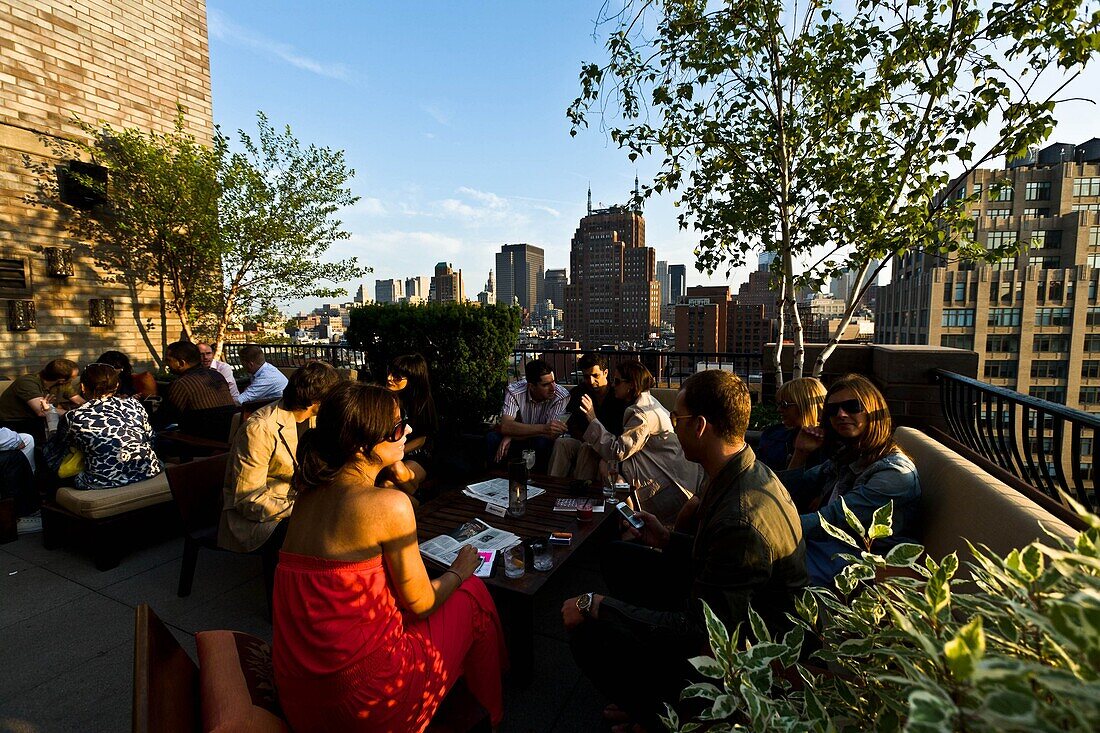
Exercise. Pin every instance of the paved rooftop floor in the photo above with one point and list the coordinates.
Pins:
(66, 634)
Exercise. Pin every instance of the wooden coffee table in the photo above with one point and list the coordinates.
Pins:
(514, 597)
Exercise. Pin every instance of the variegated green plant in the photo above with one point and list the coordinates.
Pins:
(1014, 647)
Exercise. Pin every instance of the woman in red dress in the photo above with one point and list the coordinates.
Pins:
(363, 639)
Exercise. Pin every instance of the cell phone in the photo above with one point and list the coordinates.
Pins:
(629, 515)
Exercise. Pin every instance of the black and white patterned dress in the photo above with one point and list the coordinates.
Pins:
(117, 440)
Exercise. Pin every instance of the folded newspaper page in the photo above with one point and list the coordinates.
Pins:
(495, 491)
(476, 533)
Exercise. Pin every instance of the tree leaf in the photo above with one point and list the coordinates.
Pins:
(837, 533)
(965, 651)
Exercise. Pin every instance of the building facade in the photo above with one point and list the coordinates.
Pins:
(122, 62)
(613, 295)
(447, 285)
(520, 275)
(677, 282)
(1033, 318)
(389, 291)
(556, 280)
(702, 318)
(418, 287)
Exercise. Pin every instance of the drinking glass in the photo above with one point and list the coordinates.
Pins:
(529, 459)
(515, 561)
(612, 478)
(543, 555)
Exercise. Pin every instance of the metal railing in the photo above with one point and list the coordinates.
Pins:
(669, 368)
(1044, 444)
(296, 355)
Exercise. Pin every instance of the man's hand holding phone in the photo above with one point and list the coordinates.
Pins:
(652, 533)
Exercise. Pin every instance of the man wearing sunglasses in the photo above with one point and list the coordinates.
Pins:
(747, 549)
(529, 419)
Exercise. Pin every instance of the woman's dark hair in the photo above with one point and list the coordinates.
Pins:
(99, 380)
(309, 384)
(877, 440)
(125, 370)
(635, 374)
(416, 398)
(353, 417)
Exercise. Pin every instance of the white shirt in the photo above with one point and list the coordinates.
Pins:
(227, 374)
(268, 383)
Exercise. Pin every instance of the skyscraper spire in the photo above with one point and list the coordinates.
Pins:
(637, 194)
(590, 198)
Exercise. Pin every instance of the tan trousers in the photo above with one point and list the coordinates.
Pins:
(574, 459)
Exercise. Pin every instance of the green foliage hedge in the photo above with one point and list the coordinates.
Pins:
(467, 348)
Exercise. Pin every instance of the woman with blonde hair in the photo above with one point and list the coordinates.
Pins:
(799, 402)
(865, 468)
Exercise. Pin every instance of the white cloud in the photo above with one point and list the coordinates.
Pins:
(369, 206)
(552, 212)
(441, 117)
(223, 29)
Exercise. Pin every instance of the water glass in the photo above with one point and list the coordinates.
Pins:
(515, 561)
(612, 478)
(529, 459)
(543, 555)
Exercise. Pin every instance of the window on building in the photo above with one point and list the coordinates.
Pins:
(1046, 239)
(1049, 393)
(1002, 344)
(1004, 194)
(1050, 343)
(1004, 316)
(1094, 236)
(1046, 263)
(1089, 396)
(1005, 264)
(995, 240)
(1092, 316)
(1054, 292)
(1092, 343)
(977, 189)
(1086, 207)
(73, 184)
(957, 317)
(958, 341)
(1086, 187)
(1000, 369)
(1049, 369)
(1090, 369)
(1036, 213)
(15, 277)
(960, 291)
(1037, 191)
(998, 213)
(1053, 316)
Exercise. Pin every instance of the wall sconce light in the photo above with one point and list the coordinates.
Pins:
(21, 315)
(101, 311)
(59, 262)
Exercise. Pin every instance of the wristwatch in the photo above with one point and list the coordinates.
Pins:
(584, 604)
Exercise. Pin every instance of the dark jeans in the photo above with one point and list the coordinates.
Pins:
(637, 664)
(17, 481)
(542, 446)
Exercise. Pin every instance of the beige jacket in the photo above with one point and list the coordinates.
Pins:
(256, 493)
(648, 447)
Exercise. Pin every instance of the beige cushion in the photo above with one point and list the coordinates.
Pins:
(960, 500)
(666, 396)
(100, 503)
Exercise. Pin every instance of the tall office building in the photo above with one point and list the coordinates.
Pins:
(613, 295)
(708, 320)
(389, 291)
(1033, 318)
(418, 287)
(520, 273)
(556, 280)
(447, 285)
(841, 286)
(677, 282)
(662, 280)
(361, 296)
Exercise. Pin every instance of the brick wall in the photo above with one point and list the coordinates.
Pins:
(124, 62)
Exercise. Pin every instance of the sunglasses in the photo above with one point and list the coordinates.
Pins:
(785, 404)
(850, 407)
(398, 431)
(677, 418)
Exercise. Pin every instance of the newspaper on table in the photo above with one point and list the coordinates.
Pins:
(495, 491)
(476, 533)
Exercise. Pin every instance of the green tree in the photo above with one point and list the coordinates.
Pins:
(826, 138)
(224, 234)
(467, 348)
(152, 222)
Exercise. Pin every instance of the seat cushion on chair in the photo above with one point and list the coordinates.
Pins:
(236, 683)
(100, 503)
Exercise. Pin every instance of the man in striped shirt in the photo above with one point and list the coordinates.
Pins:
(531, 416)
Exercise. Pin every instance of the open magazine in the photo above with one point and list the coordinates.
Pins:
(476, 533)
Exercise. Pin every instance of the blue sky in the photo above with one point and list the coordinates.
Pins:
(453, 116)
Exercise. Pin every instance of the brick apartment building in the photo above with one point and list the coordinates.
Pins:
(613, 294)
(124, 62)
(708, 320)
(1033, 318)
